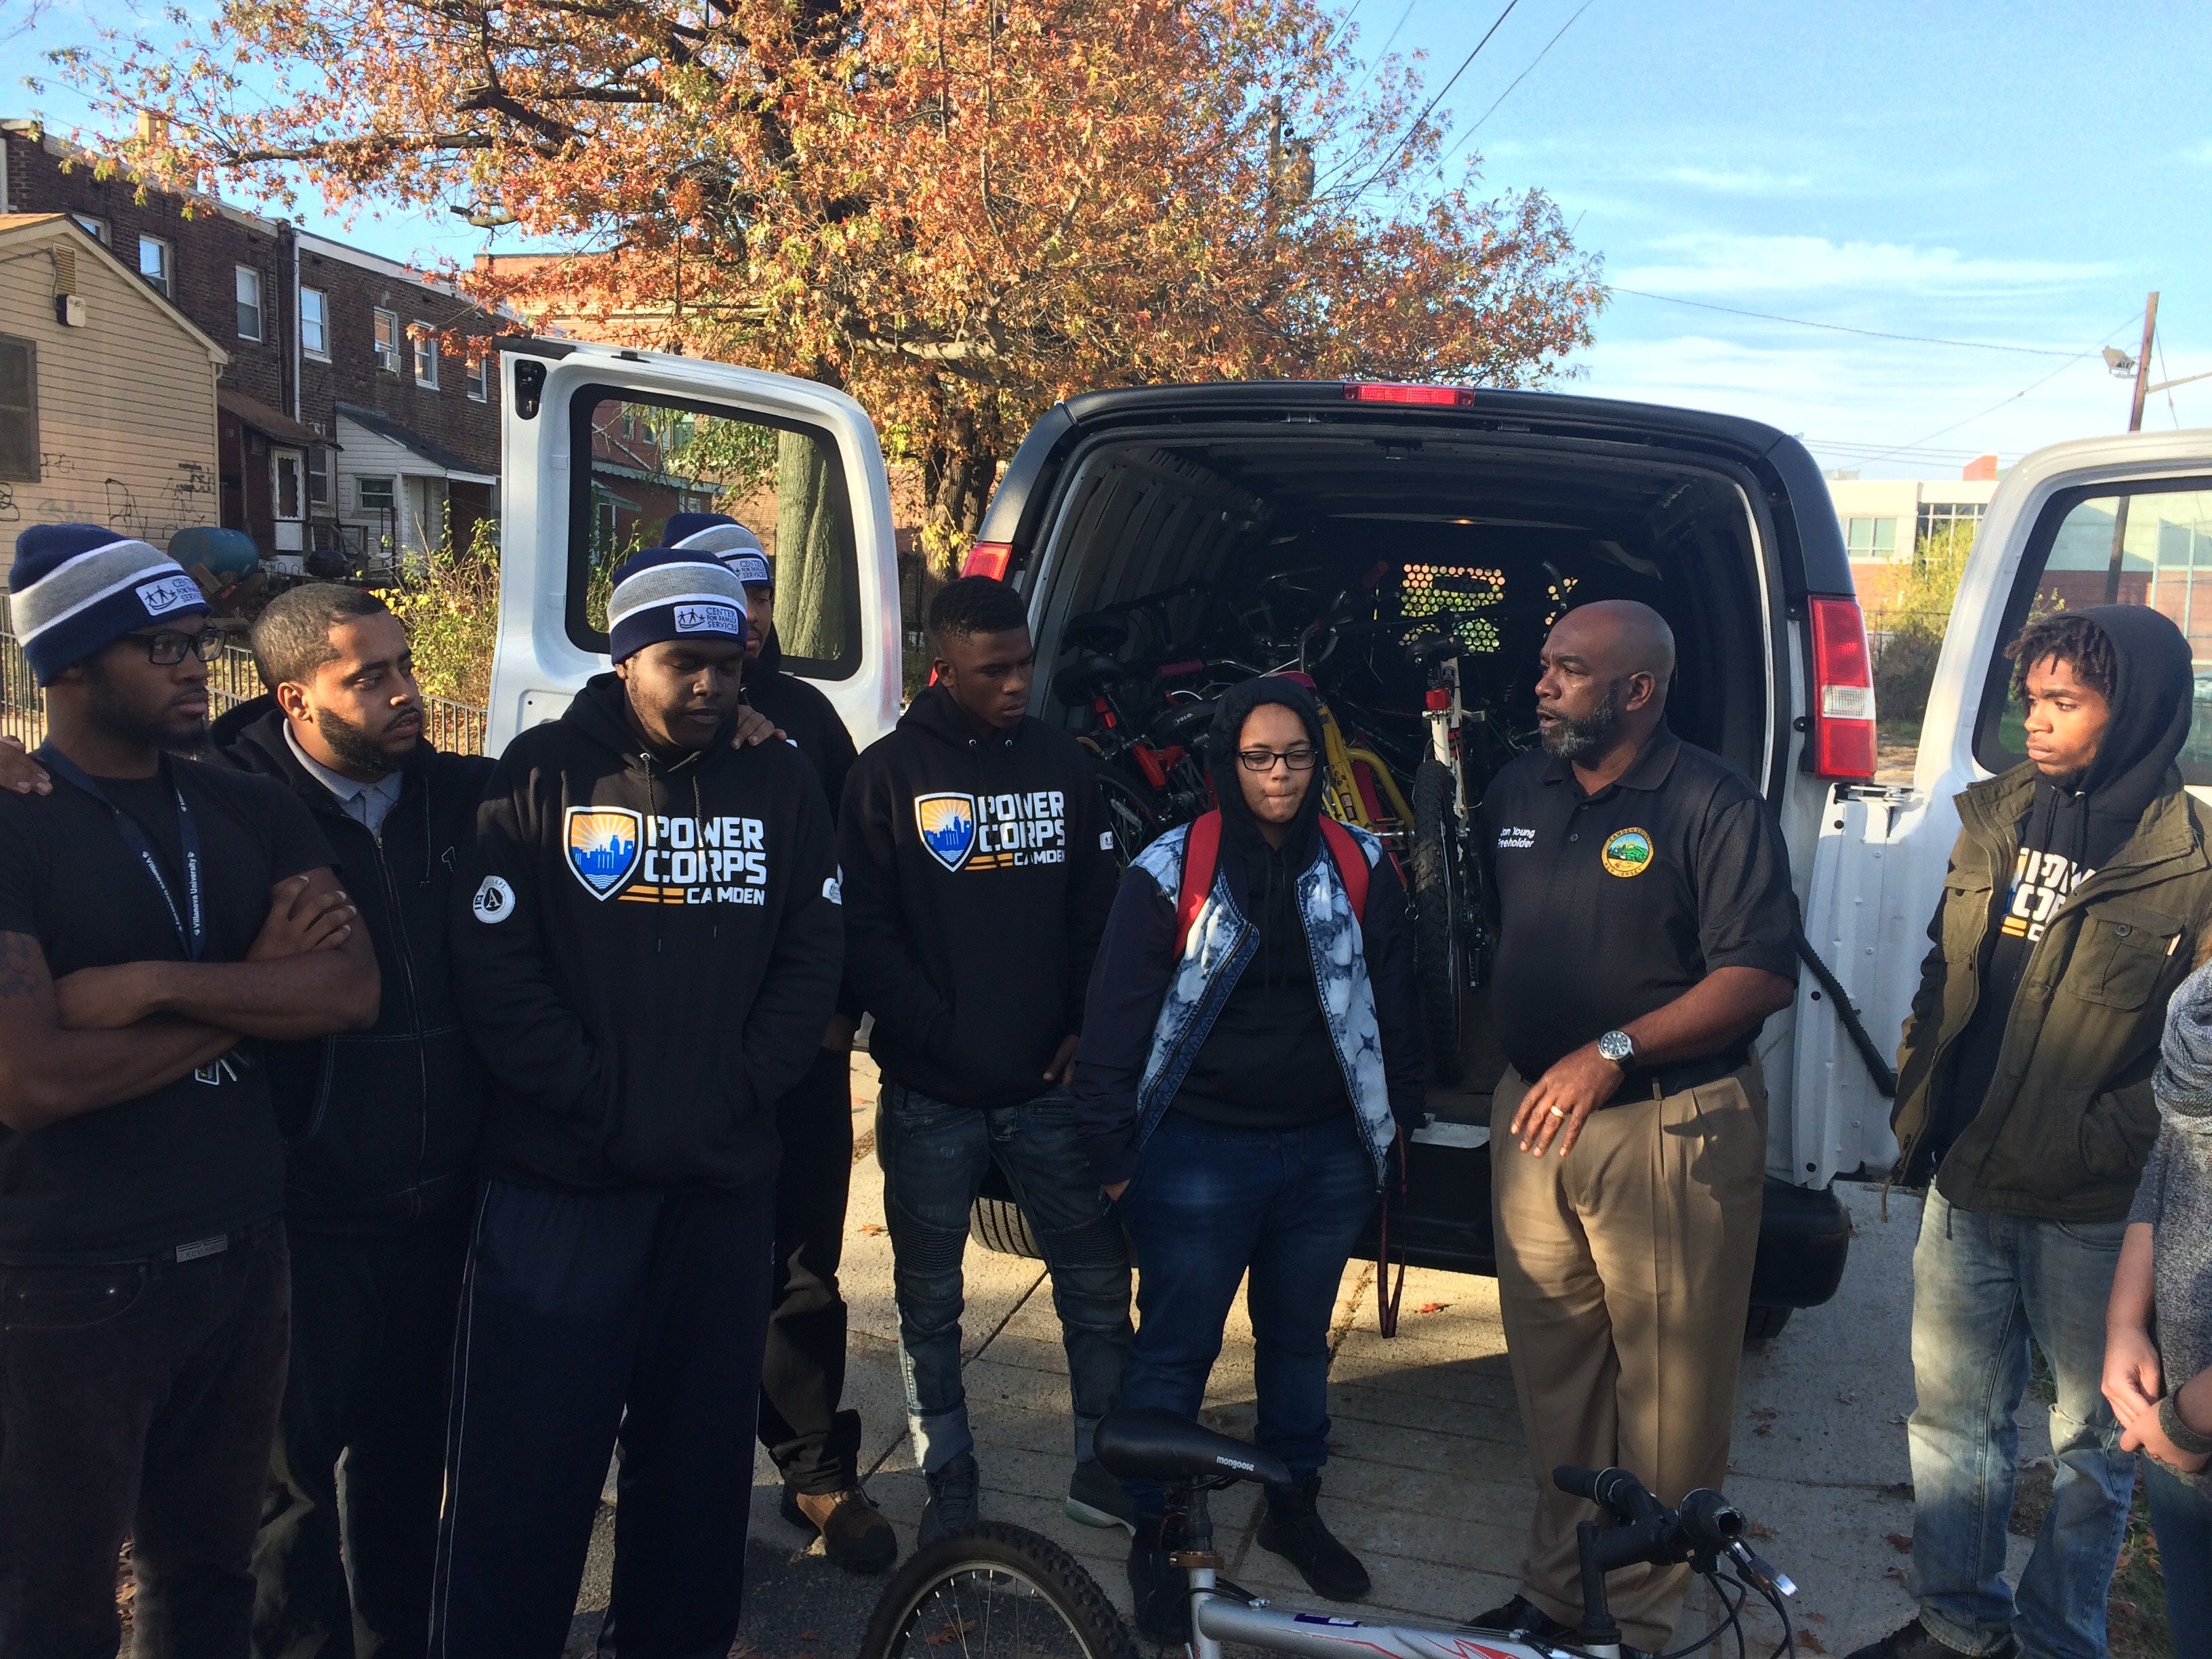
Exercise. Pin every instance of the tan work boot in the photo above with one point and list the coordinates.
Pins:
(853, 1533)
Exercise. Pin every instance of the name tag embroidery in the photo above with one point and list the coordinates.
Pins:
(1515, 838)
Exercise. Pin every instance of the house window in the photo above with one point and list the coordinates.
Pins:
(92, 226)
(1937, 517)
(315, 323)
(1870, 539)
(156, 263)
(426, 357)
(480, 379)
(319, 477)
(375, 494)
(19, 409)
(388, 341)
(249, 303)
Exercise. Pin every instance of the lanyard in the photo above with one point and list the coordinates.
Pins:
(190, 920)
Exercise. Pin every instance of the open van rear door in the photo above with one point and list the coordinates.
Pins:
(599, 445)
(2124, 520)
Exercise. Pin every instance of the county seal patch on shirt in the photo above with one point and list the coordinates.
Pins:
(1626, 853)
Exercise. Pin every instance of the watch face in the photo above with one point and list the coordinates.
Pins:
(1616, 1046)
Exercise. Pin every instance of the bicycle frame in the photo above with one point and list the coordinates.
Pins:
(1217, 1619)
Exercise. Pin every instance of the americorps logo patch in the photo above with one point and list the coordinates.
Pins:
(947, 824)
(1628, 852)
(602, 844)
(709, 619)
(495, 901)
(161, 597)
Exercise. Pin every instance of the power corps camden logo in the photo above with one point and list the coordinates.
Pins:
(661, 859)
(993, 832)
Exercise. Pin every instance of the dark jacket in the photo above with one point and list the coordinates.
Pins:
(1158, 1024)
(650, 950)
(805, 715)
(381, 1125)
(977, 886)
(2055, 1118)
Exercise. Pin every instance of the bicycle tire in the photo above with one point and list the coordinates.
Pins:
(1440, 975)
(925, 1589)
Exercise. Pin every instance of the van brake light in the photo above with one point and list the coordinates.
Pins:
(1433, 397)
(1842, 730)
(989, 559)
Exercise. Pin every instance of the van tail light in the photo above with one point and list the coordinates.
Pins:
(1843, 735)
(1428, 397)
(989, 559)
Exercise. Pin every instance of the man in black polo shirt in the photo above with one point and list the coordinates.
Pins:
(154, 915)
(1648, 928)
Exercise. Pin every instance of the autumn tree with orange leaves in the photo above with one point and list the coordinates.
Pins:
(959, 211)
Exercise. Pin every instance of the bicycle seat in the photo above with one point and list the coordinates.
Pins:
(1185, 723)
(1083, 679)
(1150, 1444)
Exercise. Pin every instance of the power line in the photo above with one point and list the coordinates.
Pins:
(1388, 40)
(1398, 148)
(1460, 143)
(1944, 431)
(1842, 328)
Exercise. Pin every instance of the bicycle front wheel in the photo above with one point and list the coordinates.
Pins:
(994, 1592)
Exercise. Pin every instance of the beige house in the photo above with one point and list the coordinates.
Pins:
(107, 392)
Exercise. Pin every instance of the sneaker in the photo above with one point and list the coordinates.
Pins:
(1095, 1498)
(1523, 1615)
(854, 1534)
(1293, 1530)
(1912, 1641)
(955, 1500)
(1159, 1592)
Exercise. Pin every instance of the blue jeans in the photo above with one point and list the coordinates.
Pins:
(2181, 1515)
(934, 1157)
(1983, 1283)
(1207, 1204)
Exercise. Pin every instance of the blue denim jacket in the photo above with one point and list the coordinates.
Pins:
(1149, 1012)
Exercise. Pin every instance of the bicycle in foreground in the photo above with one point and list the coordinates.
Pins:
(996, 1591)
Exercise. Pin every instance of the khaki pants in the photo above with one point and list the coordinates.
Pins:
(1624, 1273)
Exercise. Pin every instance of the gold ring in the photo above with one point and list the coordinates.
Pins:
(1559, 1111)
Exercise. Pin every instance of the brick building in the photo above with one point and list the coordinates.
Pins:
(351, 415)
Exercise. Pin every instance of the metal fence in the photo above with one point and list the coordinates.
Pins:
(232, 679)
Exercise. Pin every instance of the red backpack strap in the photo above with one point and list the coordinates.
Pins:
(1351, 863)
(1202, 852)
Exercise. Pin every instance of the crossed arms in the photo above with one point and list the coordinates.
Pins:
(103, 1035)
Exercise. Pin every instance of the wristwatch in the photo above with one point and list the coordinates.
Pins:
(1618, 1046)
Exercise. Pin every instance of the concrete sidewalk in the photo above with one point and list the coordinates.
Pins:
(1428, 1480)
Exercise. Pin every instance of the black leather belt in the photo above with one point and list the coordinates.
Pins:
(1657, 1082)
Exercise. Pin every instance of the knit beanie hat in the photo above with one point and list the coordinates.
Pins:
(75, 587)
(673, 593)
(727, 540)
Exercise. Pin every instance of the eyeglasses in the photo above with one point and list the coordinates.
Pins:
(166, 648)
(1299, 759)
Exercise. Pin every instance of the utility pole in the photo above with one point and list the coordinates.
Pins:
(2134, 424)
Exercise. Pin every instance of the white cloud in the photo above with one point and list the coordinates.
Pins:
(1723, 262)
(1737, 181)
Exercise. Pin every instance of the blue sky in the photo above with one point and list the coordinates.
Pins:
(2017, 175)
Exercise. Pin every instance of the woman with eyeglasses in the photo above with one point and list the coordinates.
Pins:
(1250, 1058)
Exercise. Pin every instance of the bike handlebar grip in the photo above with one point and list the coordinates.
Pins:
(1574, 1481)
(1711, 1519)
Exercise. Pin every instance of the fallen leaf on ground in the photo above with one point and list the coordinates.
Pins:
(873, 1229)
(1432, 1307)
(1808, 1643)
(953, 1630)
(810, 1636)
(1900, 1542)
(1759, 1529)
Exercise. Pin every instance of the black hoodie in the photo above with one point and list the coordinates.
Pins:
(2071, 829)
(381, 1125)
(803, 714)
(650, 950)
(972, 948)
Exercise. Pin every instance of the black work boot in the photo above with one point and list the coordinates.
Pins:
(1294, 1531)
(1912, 1641)
(1160, 1592)
(955, 1500)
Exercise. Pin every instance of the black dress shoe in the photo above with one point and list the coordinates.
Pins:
(1523, 1614)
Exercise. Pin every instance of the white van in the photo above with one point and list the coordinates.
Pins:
(1134, 519)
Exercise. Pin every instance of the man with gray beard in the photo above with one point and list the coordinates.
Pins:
(1647, 928)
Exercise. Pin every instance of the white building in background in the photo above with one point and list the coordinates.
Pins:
(1883, 518)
